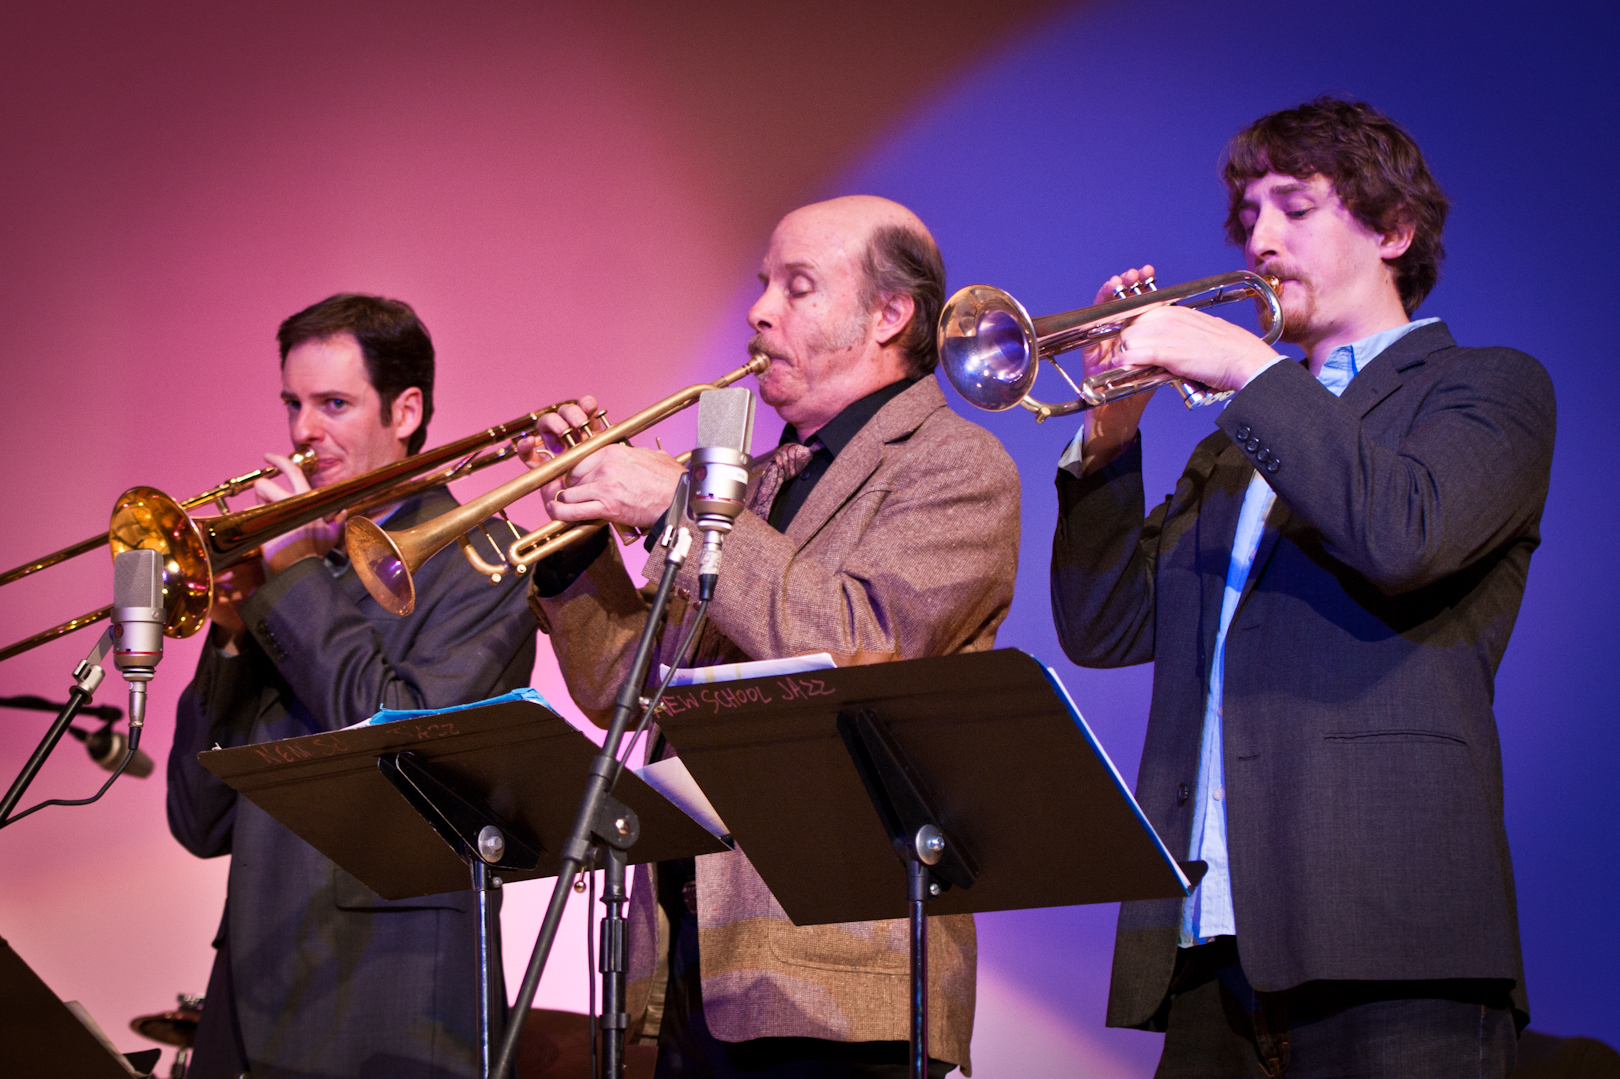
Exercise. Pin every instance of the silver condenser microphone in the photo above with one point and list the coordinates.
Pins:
(137, 624)
(719, 473)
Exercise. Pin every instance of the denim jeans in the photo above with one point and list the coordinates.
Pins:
(1219, 1026)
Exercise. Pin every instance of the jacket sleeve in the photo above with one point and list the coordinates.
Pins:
(218, 707)
(1104, 557)
(462, 638)
(1468, 473)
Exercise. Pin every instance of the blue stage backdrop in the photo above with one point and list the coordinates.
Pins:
(1090, 146)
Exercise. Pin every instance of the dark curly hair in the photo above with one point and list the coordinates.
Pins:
(1376, 168)
(902, 261)
(393, 342)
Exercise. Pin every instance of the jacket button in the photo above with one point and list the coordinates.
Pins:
(1182, 794)
(1264, 455)
(1252, 445)
(1243, 432)
(1273, 465)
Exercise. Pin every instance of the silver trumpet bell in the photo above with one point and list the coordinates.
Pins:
(991, 348)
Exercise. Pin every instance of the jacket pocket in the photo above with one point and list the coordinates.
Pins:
(864, 947)
(1397, 734)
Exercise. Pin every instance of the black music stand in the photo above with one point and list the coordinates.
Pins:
(412, 807)
(40, 1037)
(985, 780)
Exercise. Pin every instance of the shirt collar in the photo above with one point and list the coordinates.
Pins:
(838, 431)
(1347, 361)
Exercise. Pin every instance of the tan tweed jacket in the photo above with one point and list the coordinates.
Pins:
(907, 547)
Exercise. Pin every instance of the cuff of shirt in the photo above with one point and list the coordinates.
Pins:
(1262, 369)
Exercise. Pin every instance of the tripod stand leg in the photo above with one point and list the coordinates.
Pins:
(615, 1019)
(918, 893)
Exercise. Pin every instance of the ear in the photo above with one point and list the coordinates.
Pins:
(406, 414)
(1393, 242)
(893, 317)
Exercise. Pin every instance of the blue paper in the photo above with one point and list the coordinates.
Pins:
(391, 715)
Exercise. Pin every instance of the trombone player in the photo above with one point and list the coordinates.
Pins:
(882, 527)
(314, 973)
(1325, 598)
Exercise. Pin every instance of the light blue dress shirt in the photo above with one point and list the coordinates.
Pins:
(1207, 913)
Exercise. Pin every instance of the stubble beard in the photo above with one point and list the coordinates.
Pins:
(1299, 309)
(837, 339)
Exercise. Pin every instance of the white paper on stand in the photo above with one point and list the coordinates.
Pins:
(759, 668)
(670, 778)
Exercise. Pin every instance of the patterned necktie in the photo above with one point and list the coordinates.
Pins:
(784, 463)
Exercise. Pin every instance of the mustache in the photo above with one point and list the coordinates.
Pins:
(758, 344)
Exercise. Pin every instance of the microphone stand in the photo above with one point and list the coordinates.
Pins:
(606, 822)
(86, 677)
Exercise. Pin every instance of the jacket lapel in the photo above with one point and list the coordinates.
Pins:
(853, 467)
(1382, 377)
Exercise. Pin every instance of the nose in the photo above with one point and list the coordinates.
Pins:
(761, 315)
(1264, 242)
(306, 426)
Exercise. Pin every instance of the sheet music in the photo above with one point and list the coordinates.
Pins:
(670, 778)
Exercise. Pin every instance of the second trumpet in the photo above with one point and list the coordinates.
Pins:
(991, 348)
(386, 561)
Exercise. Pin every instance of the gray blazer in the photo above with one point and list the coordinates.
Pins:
(316, 975)
(1363, 771)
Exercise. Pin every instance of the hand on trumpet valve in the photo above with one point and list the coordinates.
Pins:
(623, 484)
(1109, 428)
(1192, 345)
(307, 541)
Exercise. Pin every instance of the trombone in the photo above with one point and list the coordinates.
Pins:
(195, 548)
(387, 561)
(991, 348)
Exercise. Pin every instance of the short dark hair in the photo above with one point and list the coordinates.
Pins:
(394, 343)
(1376, 168)
(902, 261)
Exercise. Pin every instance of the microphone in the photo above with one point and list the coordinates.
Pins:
(107, 748)
(137, 626)
(719, 473)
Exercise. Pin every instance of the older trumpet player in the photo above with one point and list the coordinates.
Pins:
(1325, 597)
(315, 974)
(882, 527)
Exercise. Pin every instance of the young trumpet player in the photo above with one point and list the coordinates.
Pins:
(1325, 598)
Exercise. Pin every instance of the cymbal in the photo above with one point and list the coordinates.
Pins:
(178, 1027)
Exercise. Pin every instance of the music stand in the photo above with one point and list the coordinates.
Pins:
(984, 779)
(40, 1036)
(414, 807)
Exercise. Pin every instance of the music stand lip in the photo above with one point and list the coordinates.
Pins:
(1019, 779)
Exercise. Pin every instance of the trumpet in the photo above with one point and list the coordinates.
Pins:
(387, 561)
(991, 348)
(195, 548)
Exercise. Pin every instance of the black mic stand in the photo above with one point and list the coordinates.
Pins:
(86, 677)
(612, 826)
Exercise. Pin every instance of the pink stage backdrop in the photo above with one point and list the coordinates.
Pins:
(574, 200)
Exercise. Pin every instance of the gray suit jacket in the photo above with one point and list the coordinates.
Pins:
(318, 975)
(1363, 771)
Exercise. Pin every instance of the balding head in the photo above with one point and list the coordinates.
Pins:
(852, 290)
(896, 255)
